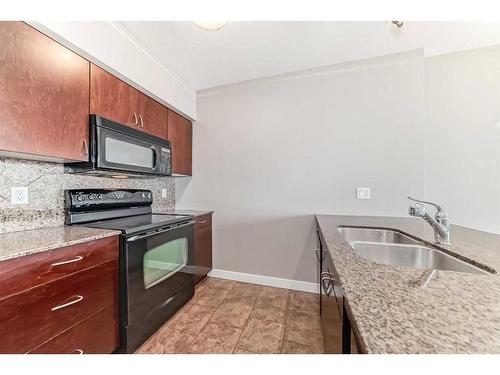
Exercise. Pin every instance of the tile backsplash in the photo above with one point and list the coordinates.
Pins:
(46, 183)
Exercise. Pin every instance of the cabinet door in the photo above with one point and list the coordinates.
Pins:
(319, 264)
(153, 116)
(203, 252)
(180, 133)
(44, 96)
(331, 320)
(112, 98)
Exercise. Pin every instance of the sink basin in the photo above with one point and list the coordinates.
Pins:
(375, 235)
(414, 256)
(395, 249)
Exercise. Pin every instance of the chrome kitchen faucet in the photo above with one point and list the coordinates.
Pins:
(439, 223)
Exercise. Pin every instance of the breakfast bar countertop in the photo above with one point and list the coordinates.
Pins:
(392, 310)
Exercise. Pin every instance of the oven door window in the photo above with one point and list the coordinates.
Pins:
(164, 260)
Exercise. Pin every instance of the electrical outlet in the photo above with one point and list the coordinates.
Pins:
(19, 195)
(163, 193)
(363, 193)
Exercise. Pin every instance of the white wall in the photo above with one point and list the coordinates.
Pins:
(462, 164)
(270, 153)
(112, 48)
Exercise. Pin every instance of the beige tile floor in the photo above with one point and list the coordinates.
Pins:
(231, 317)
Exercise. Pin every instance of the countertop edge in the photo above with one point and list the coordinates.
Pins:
(32, 251)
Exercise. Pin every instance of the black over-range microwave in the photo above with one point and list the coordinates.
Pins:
(116, 150)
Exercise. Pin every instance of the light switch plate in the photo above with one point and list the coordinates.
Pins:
(163, 193)
(363, 193)
(19, 195)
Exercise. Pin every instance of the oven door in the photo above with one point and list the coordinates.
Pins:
(126, 153)
(157, 272)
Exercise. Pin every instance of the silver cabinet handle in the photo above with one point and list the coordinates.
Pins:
(74, 260)
(85, 147)
(136, 120)
(62, 306)
(142, 121)
(329, 278)
(201, 222)
(78, 351)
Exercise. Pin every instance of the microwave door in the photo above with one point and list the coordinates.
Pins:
(121, 152)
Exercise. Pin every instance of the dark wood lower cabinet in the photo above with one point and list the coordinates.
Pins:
(95, 335)
(203, 247)
(331, 322)
(338, 336)
(49, 300)
(28, 319)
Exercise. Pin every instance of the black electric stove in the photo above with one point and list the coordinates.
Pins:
(156, 256)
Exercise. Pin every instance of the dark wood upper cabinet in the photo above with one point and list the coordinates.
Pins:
(47, 93)
(116, 100)
(112, 98)
(44, 96)
(180, 133)
(153, 116)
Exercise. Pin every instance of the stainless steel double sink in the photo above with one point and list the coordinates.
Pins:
(396, 249)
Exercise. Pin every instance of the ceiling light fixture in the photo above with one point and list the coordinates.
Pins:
(210, 25)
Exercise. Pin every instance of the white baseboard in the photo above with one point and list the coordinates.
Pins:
(277, 282)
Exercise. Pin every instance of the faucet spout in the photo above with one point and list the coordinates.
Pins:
(440, 223)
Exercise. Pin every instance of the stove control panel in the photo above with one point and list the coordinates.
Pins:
(97, 199)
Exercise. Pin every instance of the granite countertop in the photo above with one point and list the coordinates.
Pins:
(27, 242)
(193, 213)
(392, 311)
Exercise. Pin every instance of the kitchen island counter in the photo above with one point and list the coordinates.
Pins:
(392, 311)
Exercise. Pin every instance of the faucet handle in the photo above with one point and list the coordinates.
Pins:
(438, 207)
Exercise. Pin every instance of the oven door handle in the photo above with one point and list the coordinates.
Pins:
(150, 234)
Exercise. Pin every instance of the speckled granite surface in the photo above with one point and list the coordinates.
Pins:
(46, 183)
(17, 244)
(194, 213)
(454, 313)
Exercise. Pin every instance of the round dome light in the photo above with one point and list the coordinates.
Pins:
(210, 25)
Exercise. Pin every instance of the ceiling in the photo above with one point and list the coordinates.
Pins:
(242, 51)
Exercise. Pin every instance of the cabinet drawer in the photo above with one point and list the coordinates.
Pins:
(32, 317)
(203, 221)
(96, 335)
(26, 272)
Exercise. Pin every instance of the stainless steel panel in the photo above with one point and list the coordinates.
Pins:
(375, 235)
(414, 256)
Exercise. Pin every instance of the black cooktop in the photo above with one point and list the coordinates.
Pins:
(139, 223)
